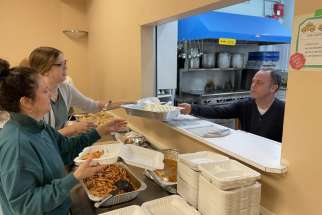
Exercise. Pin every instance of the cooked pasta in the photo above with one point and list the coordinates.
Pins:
(104, 181)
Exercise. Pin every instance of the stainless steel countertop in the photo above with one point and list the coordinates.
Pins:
(81, 205)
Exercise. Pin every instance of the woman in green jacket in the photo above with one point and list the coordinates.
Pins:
(33, 154)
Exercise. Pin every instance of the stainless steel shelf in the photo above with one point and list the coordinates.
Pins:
(209, 69)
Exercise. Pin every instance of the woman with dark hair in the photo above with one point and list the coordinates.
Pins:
(33, 154)
(51, 63)
(4, 116)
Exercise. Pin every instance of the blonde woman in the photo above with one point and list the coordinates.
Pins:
(51, 63)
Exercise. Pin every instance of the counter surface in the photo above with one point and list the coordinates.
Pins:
(260, 152)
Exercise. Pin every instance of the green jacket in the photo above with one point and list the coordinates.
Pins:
(32, 158)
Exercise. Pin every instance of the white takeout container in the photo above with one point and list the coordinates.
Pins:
(130, 210)
(131, 154)
(229, 174)
(173, 205)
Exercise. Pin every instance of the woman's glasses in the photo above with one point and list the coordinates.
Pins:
(61, 65)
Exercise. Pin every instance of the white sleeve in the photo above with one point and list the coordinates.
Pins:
(83, 102)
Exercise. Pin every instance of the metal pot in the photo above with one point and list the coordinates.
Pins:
(238, 61)
(224, 60)
(195, 63)
(208, 60)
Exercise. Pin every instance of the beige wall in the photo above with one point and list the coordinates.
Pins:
(115, 40)
(109, 66)
(295, 193)
(27, 24)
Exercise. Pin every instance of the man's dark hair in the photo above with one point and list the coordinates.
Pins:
(275, 77)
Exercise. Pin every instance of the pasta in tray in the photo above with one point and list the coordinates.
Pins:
(98, 118)
(159, 108)
(104, 181)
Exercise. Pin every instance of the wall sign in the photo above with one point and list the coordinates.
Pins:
(309, 43)
(227, 41)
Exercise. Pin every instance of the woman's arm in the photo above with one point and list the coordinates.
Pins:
(83, 102)
(76, 128)
(27, 197)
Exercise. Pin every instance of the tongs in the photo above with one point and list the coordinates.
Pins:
(122, 185)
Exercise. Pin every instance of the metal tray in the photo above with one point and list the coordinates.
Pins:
(137, 110)
(124, 197)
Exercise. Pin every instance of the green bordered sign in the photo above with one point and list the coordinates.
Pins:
(309, 40)
(227, 41)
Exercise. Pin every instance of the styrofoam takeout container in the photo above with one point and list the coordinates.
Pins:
(142, 157)
(131, 154)
(130, 210)
(173, 205)
(229, 174)
(110, 156)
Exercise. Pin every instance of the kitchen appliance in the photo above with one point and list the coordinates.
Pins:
(194, 62)
(238, 60)
(224, 59)
(208, 60)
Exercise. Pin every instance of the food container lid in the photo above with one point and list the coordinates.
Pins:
(142, 157)
(173, 205)
(229, 174)
(193, 160)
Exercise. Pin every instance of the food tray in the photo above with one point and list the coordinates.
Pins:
(130, 210)
(124, 197)
(137, 110)
(173, 205)
(110, 156)
(229, 174)
(142, 157)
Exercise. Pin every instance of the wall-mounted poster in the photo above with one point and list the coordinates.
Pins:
(308, 49)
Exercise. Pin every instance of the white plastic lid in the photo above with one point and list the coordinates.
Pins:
(193, 160)
(142, 157)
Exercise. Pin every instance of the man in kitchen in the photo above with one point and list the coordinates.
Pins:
(262, 114)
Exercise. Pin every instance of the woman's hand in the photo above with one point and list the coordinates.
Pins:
(85, 170)
(77, 128)
(111, 126)
(186, 108)
(82, 127)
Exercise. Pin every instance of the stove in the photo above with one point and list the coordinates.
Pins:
(216, 98)
(223, 98)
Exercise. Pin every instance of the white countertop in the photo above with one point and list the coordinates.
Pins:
(257, 151)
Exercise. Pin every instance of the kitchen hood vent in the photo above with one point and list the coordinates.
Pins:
(214, 25)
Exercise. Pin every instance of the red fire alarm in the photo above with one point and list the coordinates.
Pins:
(278, 10)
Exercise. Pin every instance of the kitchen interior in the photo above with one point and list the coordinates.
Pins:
(195, 69)
(196, 65)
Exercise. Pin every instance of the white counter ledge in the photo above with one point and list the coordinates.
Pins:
(257, 151)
